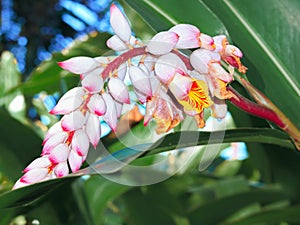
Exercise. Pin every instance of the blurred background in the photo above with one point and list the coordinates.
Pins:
(32, 30)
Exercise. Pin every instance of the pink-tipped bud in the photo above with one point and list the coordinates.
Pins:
(93, 129)
(118, 90)
(79, 64)
(116, 44)
(61, 170)
(55, 140)
(75, 161)
(42, 162)
(110, 117)
(73, 121)
(188, 36)
(52, 131)
(119, 24)
(167, 66)
(162, 43)
(67, 105)
(34, 175)
(93, 82)
(97, 105)
(207, 42)
(59, 154)
(80, 142)
(140, 80)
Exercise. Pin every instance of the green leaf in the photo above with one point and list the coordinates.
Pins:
(27, 195)
(50, 77)
(225, 207)
(289, 215)
(9, 77)
(19, 144)
(161, 15)
(93, 194)
(192, 138)
(268, 40)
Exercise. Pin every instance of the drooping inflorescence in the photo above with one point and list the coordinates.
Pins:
(171, 85)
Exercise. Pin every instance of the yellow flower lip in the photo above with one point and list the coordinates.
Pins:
(197, 98)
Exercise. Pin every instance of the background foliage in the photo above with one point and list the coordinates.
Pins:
(262, 189)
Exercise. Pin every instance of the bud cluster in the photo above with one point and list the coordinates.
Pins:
(170, 84)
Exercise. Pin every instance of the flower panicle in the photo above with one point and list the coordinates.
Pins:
(172, 86)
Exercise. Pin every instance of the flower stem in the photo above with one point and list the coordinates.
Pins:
(122, 59)
(264, 112)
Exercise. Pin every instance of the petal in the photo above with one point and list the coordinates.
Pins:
(42, 162)
(19, 184)
(162, 43)
(180, 86)
(61, 170)
(74, 92)
(53, 130)
(92, 129)
(75, 161)
(207, 42)
(149, 62)
(219, 72)
(118, 90)
(122, 70)
(188, 36)
(34, 175)
(150, 109)
(93, 82)
(220, 42)
(219, 108)
(97, 105)
(232, 50)
(110, 117)
(80, 142)
(79, 64)
(116, 44)
(201, 58)
(119, 107)
(119, 24)
(167, 66)
(59, 154)
(73, 121)
(54, 141)
(67, 105)
(140, 80)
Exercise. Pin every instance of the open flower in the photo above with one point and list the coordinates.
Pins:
(191, 93)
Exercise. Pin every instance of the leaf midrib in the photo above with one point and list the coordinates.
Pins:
(265, 47)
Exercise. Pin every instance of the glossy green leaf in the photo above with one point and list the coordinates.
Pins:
(51, 78)
(25, 196)
(193, 138)
(267, 33)
(161, 15)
